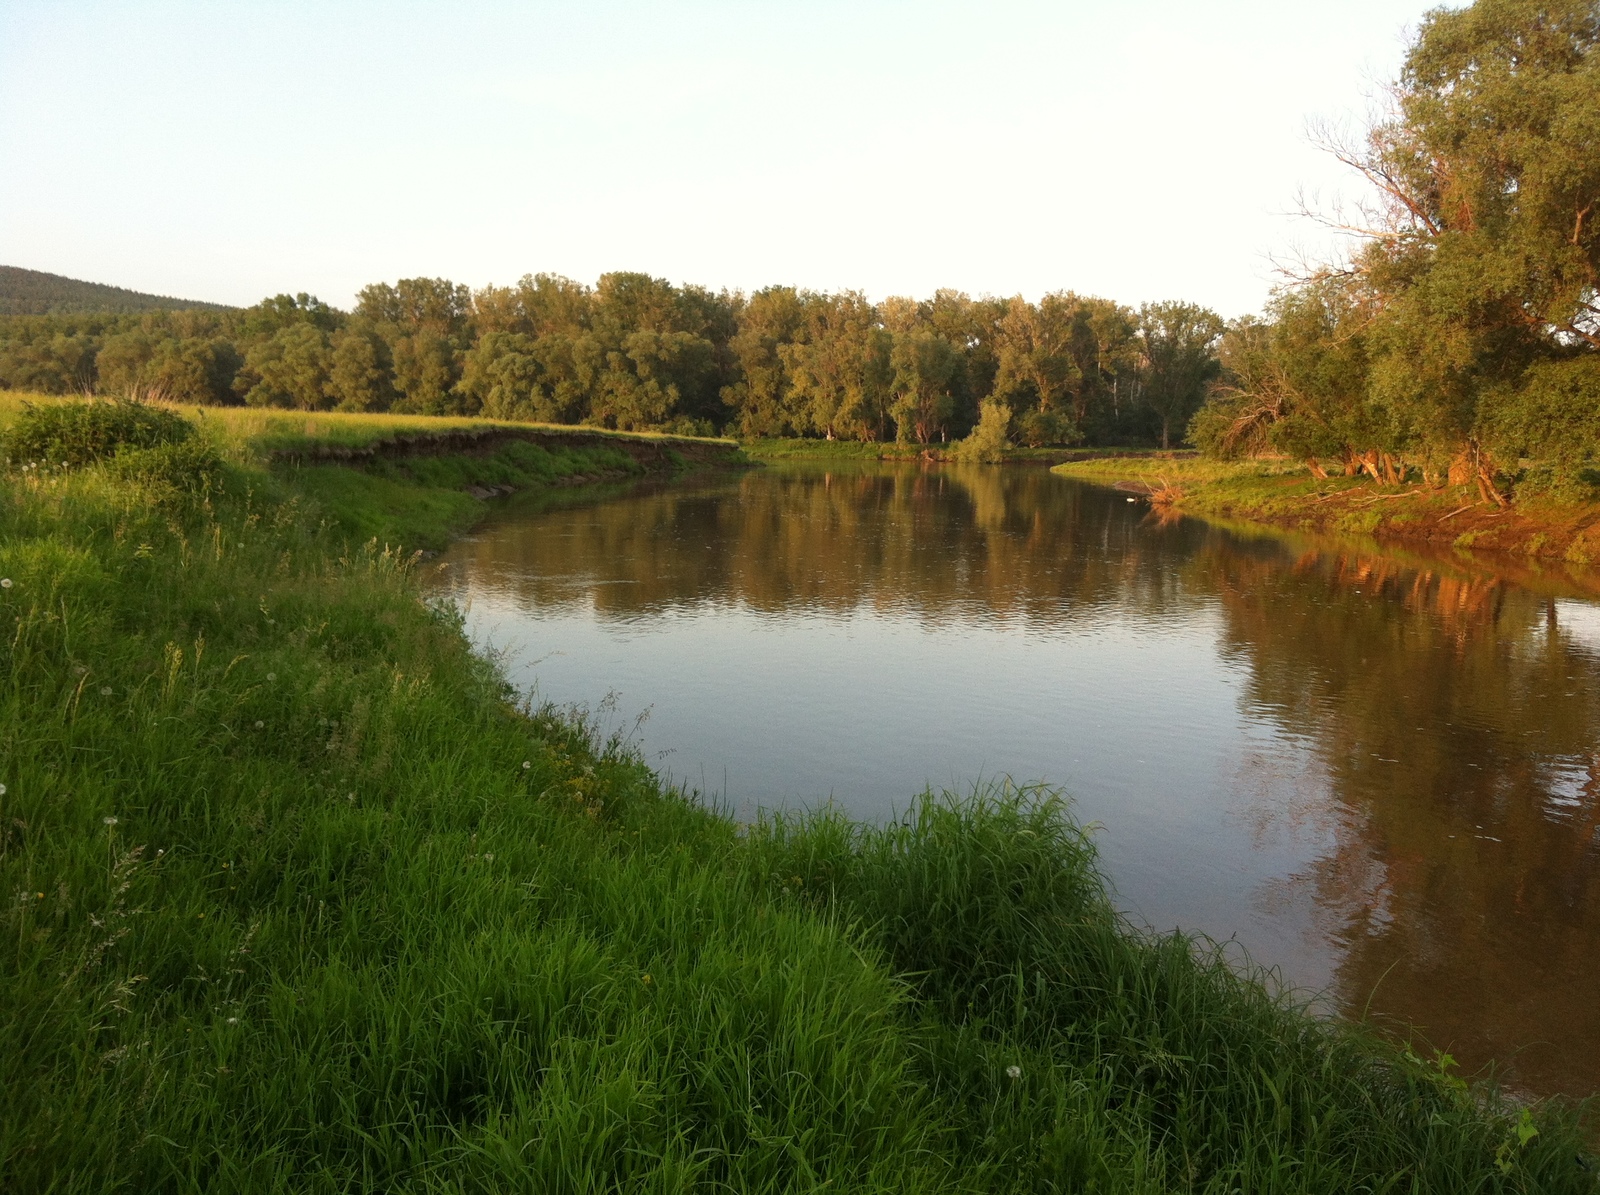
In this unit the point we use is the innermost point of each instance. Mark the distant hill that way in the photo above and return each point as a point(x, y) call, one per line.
point(33, 292)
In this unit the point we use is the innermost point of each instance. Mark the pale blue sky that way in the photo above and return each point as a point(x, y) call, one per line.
point(1141, 150)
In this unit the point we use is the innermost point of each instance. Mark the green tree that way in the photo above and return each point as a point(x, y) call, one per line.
point(427, 324)
point(1178, 342)
point(1481, 252)
point(34, 355)
point(360, 371)
point(840, 371)
point(124, 361)
point(1035, 368)
point(1299, 382)
point(1104, 346)
point(925, 365)
point(290, 369)
point(759, 397)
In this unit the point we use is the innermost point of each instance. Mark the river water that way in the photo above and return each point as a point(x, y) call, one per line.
point(1377, 772)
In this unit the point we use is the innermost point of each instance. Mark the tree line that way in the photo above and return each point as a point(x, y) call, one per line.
point(1460, 342)
point(635, 352)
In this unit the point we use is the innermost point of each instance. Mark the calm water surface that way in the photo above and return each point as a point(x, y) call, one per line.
point(1377, 772)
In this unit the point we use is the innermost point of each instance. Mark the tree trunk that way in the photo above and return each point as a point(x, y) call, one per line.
point(1316, 468)
point(1481, 464)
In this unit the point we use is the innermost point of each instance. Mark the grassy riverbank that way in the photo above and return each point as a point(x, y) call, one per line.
point(1284, 494)
point(298, 899)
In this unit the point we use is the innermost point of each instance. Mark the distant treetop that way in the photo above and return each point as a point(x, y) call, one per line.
point(33, 292)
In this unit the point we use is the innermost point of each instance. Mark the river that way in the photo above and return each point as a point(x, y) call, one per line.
point(1376, 772)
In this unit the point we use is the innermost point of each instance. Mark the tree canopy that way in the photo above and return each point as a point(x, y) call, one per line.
point(1461, 339)
point(638, 352)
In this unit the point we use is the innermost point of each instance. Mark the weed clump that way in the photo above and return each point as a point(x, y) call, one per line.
point(82, 433)
point(183, 470)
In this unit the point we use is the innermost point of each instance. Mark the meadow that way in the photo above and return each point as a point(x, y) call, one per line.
point(300, 897)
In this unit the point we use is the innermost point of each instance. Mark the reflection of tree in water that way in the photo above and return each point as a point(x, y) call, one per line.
point(962, 542)
point(1457, 726)
point(1463, 866)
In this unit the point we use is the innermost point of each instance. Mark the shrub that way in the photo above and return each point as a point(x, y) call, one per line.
point(987, 443)
point(177, 470)
point(1038, 428)
point(80, 433)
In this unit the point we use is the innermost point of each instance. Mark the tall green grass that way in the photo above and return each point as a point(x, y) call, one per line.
point(1137, 1055)
point(298, 899)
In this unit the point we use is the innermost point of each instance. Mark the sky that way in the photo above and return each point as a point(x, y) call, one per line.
point(1141, 150)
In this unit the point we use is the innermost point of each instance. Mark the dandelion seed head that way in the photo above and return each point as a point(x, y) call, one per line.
point(526, 764)
point(110, 821)
point(233, 1020)
point(105, 690)
point(5, 582)
point(1014, 1072)
point(272, 676)
point(259, 723)
point(2, 790)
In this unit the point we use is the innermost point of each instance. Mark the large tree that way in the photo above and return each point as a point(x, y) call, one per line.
point(1179, 343)
point(840, 372)
point(759, 397)
point(1482, 252)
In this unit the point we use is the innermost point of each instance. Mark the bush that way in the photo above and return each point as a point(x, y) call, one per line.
point(1038, 428)
point(81, 433)
point(183, 469)
point(987, 443)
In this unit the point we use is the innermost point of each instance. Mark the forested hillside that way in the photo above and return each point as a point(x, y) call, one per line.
point(636, 352)
point(33, 292)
